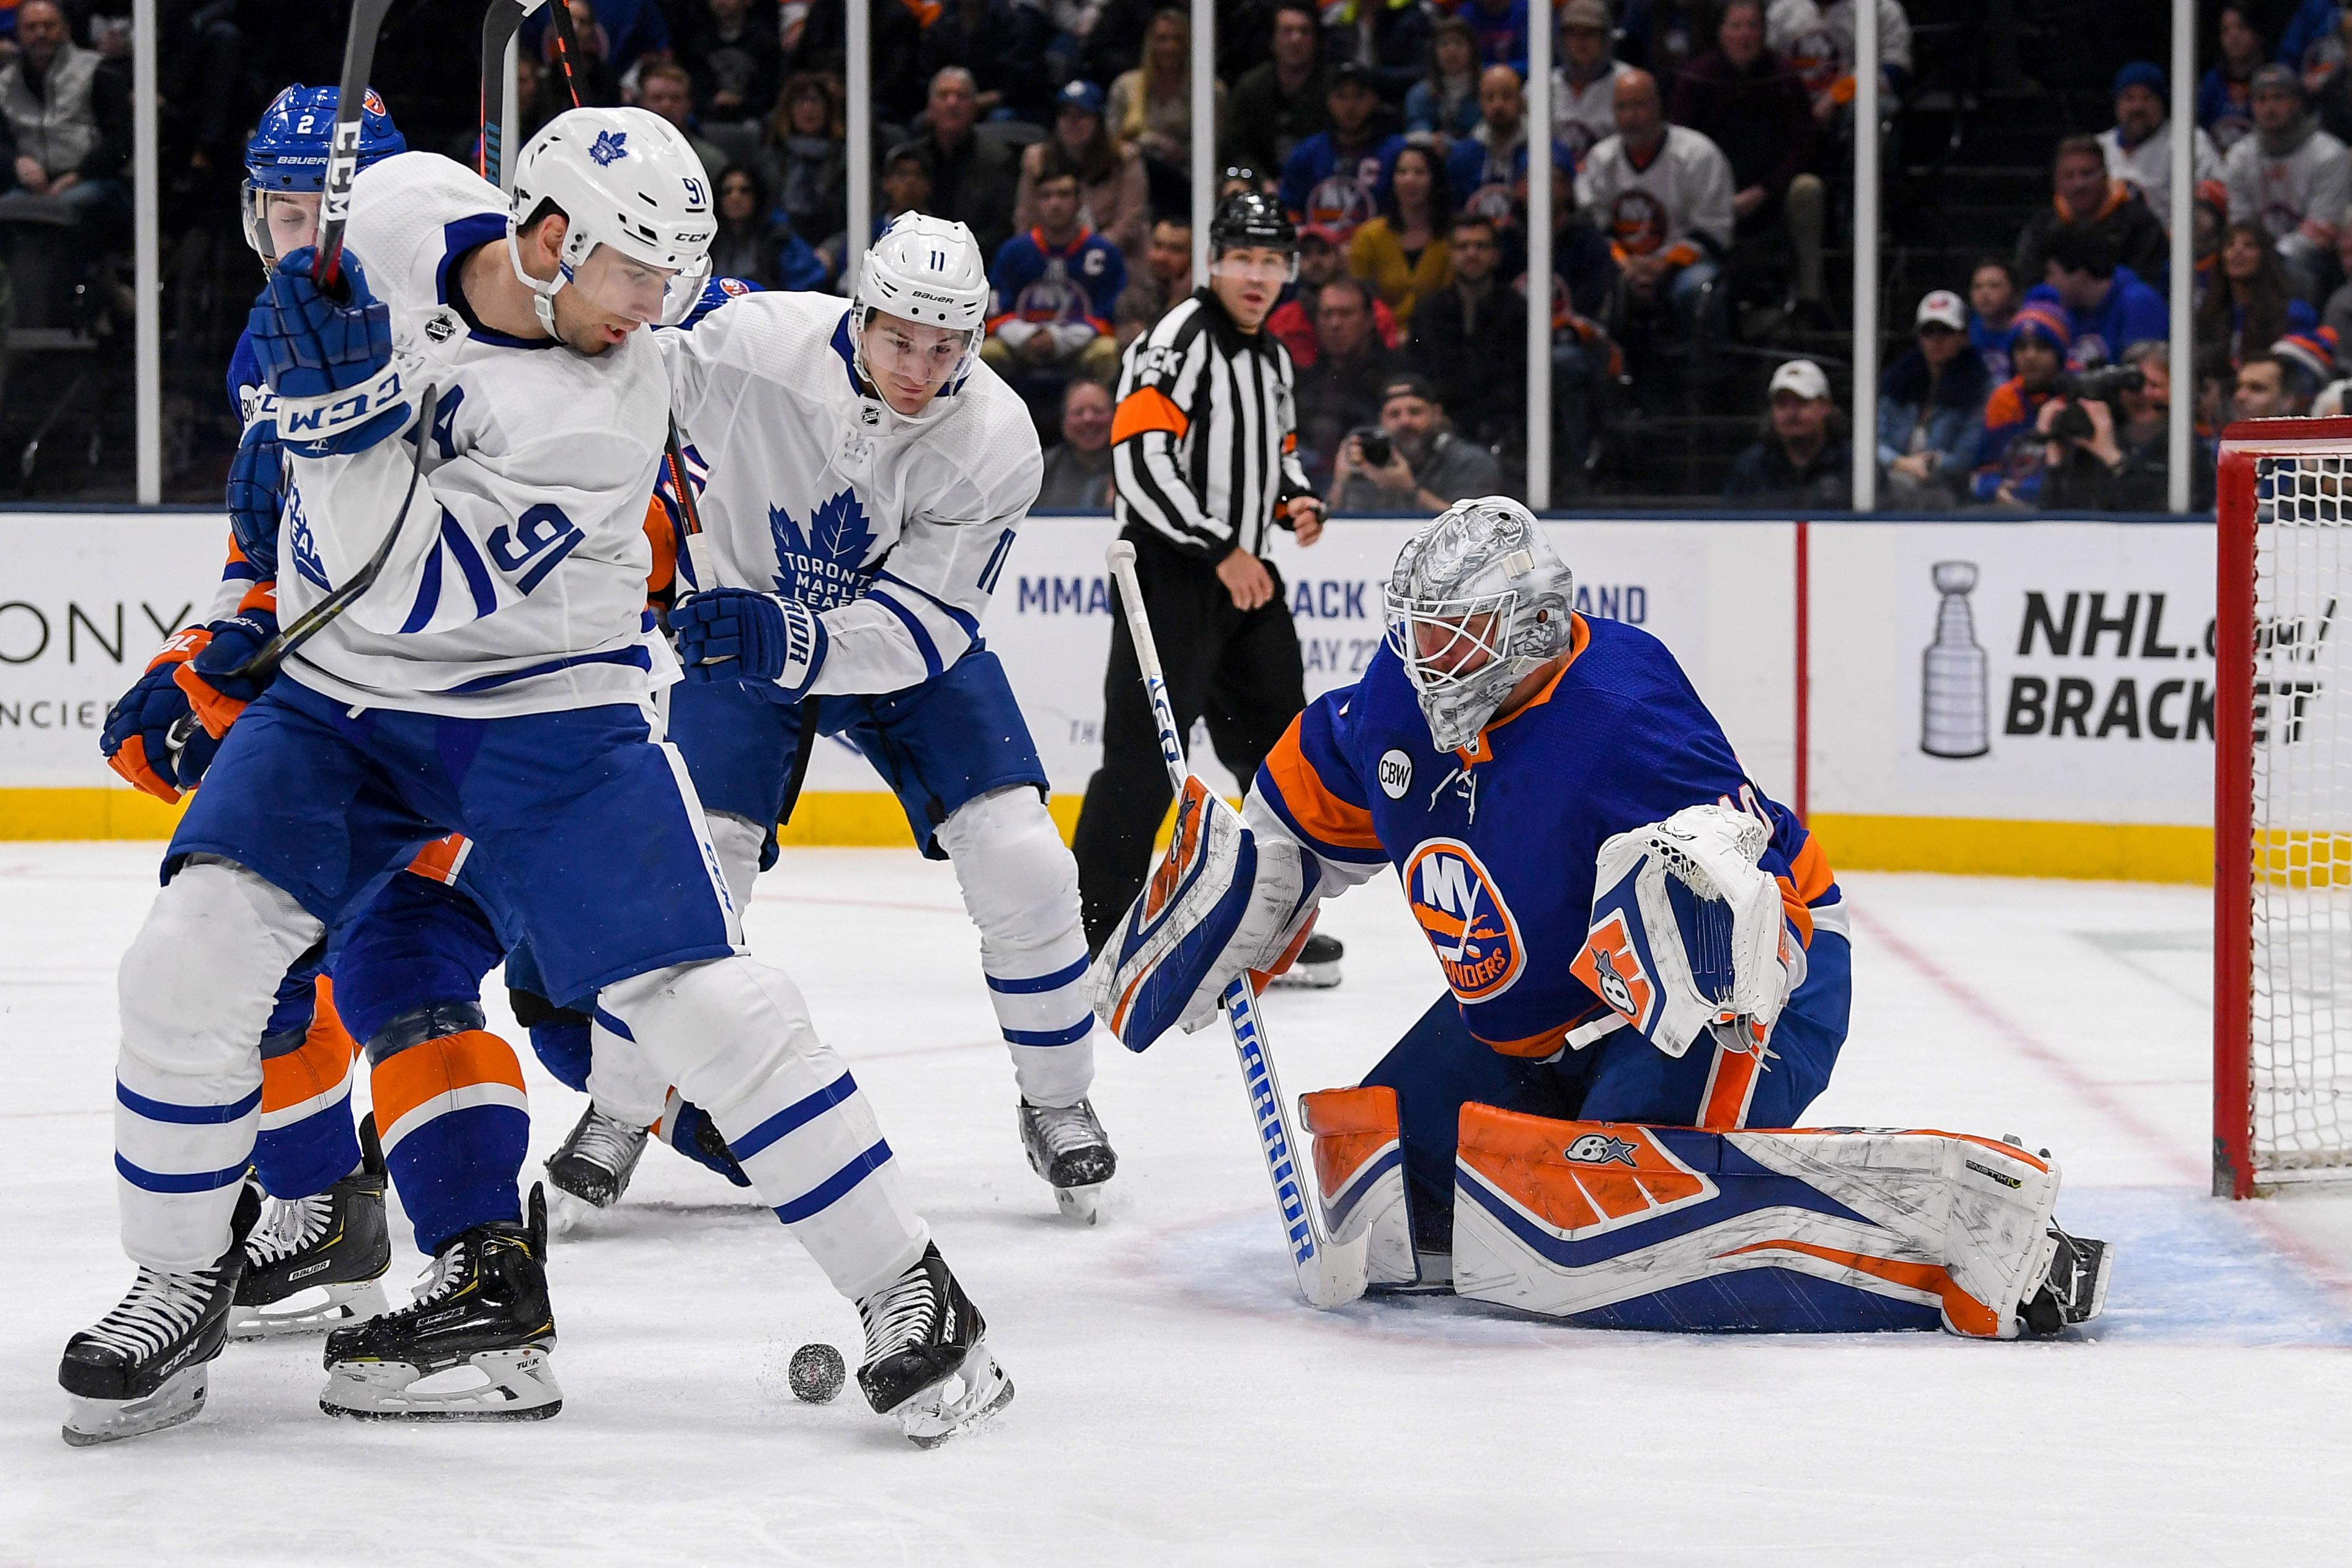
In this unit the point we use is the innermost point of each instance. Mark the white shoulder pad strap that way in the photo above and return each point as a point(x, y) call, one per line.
point(1688, 930)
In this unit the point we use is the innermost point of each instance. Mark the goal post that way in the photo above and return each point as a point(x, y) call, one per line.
point(2283, 808)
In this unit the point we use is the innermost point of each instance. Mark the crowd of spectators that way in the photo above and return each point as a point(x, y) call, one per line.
point(1700, 154)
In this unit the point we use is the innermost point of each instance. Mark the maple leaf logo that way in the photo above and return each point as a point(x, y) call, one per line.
point(608, 147)
point(824, 564)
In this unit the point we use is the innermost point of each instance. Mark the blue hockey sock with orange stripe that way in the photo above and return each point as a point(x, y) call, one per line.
point(305, 1143)
point(454, 1121)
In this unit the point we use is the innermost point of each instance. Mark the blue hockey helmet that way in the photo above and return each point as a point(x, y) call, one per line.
point(287, 154)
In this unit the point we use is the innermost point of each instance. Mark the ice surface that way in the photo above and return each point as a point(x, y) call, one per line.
point(1178, 1403)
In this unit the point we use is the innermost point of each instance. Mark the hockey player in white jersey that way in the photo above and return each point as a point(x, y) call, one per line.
point(866, 475)
point(495, 680)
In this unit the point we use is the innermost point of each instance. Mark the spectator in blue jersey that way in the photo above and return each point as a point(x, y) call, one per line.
point(2313, 25)
point(2225, 97)
point(2107, 308)
point(756, 242)
point(1993, 307)
point(1500, 27)
point(1488, 169)
point(1930, 407)
point(1334, 178)
point(2008, 456)
point(1057, 289)
point(1444, 103)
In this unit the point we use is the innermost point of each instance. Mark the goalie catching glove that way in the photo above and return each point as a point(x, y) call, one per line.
point(1225, 900)
point(1688, 932)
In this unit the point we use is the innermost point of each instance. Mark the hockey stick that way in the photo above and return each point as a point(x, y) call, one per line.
point(500, 23)
point(1331, 1273)
point(690, 510)
point(326, 271)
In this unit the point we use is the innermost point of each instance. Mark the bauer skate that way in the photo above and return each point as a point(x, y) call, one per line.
point(926, 1361)
point(1068, 1147)
point(335, 1241)
point(484, 1307)
point(1317, 968)
point(592, 1170)
point(141, 1367)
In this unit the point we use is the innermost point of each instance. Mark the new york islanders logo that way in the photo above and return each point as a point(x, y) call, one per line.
point(1611, 967)
point(824, 564)
point(1462, 912)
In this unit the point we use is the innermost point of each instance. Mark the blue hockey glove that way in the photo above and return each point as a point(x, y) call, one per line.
point(137, 738)
point(734, 634)
point(328, 360)
point(256, 494)
point(214, 690)
point(687, 1128)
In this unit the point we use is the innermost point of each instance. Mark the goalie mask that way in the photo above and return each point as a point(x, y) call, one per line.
point(637, 205)
point(1477, 600)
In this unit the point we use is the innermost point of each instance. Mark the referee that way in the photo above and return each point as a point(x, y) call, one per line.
point(1204, 464)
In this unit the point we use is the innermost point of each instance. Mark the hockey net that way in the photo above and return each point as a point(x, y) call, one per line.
point(2283, 808)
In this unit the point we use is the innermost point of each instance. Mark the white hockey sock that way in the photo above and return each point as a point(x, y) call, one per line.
point(1021, 888)
point(735, 1037)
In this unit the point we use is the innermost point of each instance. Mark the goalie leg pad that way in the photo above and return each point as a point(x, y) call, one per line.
point(1360, 1177)
point(1223, 900)
point(1614, 1225)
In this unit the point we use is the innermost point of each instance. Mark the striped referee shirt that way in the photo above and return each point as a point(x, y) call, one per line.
point(1204, 443)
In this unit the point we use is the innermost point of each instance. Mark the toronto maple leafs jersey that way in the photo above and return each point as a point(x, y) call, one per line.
point(1495, 843)
point(895, 532)
point(517, 584)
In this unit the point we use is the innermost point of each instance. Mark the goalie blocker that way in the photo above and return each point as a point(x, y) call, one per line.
point(1648, 981)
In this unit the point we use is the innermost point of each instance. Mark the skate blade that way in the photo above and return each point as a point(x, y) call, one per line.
point(90, 1422)
point(1083, 1204)
point(957, 1404)
point(342, 1304)
point(1308, 977)
point(516, 1385)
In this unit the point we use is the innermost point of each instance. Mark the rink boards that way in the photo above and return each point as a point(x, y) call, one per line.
point(2023, 697)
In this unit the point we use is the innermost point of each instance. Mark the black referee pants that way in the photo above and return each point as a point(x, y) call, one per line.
point(1238, 670)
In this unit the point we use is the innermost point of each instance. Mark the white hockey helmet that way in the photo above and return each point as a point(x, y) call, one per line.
point(627, 180)
point(1477, 599)
point(929, 271)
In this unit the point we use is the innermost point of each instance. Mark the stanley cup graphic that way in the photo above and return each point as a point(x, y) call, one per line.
point(1953, 721)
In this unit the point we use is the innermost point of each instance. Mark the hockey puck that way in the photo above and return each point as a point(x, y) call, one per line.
point(816, 1373)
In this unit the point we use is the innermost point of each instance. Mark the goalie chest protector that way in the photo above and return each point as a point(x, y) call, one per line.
point(1495, 843)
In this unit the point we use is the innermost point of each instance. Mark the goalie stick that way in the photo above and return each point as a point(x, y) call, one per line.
point(1331, 1272)
point(326, 271)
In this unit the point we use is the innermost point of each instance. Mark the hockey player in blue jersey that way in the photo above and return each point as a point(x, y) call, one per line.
point(494, 679)
point(1647, 973)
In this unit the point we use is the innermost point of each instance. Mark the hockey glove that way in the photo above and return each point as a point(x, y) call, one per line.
point(256, 494)
point(137, 738)
point(687, 1128)
point(209, 680)
point(329, 360)
point(735, 635)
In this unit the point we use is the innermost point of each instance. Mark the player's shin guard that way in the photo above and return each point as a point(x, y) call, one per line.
point(560, 1037)
point(735, 1037)
point(450, 1108)
point(1360, 1176)
point(306, 1142)
point(1021, 888)
point(197, 986)
point(1614, 1225)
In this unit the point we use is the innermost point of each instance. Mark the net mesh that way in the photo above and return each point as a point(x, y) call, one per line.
point(2302, 843)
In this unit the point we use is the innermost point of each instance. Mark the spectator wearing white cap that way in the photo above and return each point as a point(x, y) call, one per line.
point(2139, 147)
point(1931, 406)
point(1801, 462)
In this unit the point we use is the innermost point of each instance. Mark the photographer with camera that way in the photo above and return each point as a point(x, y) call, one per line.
point(1413, 462)
point(2106, 435)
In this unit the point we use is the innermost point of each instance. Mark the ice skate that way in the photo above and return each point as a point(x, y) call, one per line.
point(2075, 1291)
point(1317, 968)
point(141, 1367)
point(926, 1361)
point(592, 1170)
point(1068, 1147)
point(313, 1263)
point(482, 1318)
